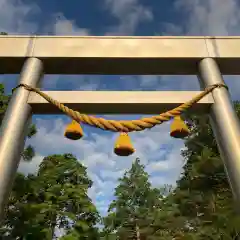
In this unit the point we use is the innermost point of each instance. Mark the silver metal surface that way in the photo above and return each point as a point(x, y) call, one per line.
point(225, 123)
point(119, 55)
point(118, 102)
point(14, 128)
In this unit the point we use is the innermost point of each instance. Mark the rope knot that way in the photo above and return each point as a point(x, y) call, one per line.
point(27, 87)
point(219, 85)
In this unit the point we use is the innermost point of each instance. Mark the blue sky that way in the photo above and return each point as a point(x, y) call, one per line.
point(156, 149)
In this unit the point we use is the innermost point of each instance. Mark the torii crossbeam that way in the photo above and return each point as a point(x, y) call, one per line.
point(35, 55)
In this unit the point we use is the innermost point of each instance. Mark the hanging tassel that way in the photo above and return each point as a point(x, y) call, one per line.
point(73, 131)
point(123, 146)
point(178, 128)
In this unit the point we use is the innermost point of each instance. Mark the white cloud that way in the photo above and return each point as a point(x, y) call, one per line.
point(149, 80)
point(160, 83)
point(205, 17)
point(169, 83)
point(111, 174)
point(72, 82)
point(210, 17)
point(15, 17)
point(171, 29)
point(31, 166)
point(129, 14)
point(89, 86)
point(62, 26)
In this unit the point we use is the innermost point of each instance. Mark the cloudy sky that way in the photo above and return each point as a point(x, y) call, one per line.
point(156, 149)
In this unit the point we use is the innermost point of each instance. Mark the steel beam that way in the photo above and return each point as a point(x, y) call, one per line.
point(119, 55)
point(118, 102)
point(14, 128)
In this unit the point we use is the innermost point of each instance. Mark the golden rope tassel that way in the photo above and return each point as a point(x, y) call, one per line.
point(123, 146)
point(178, 128)
point(73, 131)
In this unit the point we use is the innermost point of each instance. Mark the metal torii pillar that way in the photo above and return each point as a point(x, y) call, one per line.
point(224, 122)
point(14, 128)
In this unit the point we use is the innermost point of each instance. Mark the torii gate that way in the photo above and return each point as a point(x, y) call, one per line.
point(203, 56)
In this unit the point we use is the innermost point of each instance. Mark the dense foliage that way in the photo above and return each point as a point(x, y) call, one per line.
point(55, 200)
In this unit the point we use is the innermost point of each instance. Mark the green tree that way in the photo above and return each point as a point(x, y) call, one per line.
point(201, 206)
point(203, 195)
point(131, 214)
point(55, 199)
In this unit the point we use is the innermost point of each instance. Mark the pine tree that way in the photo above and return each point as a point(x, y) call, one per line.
point(130, 215)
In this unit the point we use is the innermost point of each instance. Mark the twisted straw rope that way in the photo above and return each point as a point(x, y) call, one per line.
point(123, 125)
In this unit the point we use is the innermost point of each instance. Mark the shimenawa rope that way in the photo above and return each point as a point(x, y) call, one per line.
point(123, 125)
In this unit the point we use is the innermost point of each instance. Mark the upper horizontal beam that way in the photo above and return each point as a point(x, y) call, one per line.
point(118, 102)
point(119, 55)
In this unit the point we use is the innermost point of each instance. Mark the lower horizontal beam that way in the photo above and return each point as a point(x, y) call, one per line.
point(118, 102)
